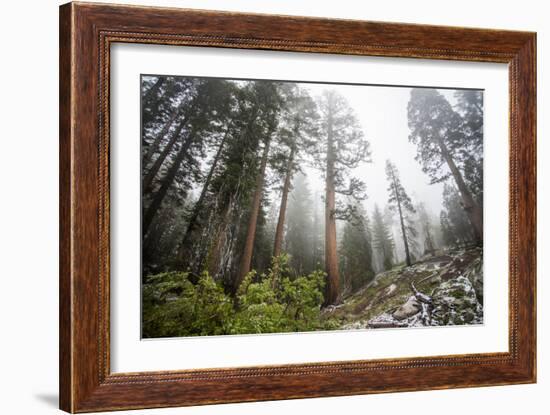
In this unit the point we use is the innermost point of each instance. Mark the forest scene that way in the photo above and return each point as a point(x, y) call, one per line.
point(275, 206)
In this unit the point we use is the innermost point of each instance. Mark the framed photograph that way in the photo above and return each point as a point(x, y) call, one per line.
point(260, 207)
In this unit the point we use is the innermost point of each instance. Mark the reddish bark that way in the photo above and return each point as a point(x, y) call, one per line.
point(282, 210)
point(246, 260)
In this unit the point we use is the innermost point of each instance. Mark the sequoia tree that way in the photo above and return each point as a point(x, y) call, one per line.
point(470, 107)
point(438, 131)
point(298, 125)
point(269, 95)
point(341, 148)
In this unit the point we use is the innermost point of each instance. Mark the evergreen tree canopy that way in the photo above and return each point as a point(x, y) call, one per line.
point(445, 139)
point(356, 251)
point(382, 239)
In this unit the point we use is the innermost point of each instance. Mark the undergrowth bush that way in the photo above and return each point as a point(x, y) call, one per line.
point(271, 302)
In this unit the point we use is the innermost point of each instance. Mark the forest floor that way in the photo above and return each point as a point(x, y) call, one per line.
point(444, 289)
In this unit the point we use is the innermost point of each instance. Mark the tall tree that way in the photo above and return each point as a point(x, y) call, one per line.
point(300, 227)
point(400, 203)
point(152, 90)
point(342, 147)
point(298, 125)
point(470, 107)
point(160, 112)
point(317, 233)
point(196, 105)
point(382, 238)
point(436, 129)
point(270, 98)
point(199, 204)
point(232, 186)
point(356, 251)
point(246, 259)
point(279, 232)
point(202, 124)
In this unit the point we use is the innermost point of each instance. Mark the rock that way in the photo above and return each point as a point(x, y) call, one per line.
point(475, 275)
point(385, 321)
point(455, 303)
point(356, 325)
point(389, 290)
point(410, 308)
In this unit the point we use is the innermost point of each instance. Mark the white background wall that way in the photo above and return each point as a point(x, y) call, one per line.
point(29, 194)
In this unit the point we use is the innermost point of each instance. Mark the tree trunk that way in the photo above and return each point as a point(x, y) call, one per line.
point(402, 222)
point(254, 211)
point(282, 210)
point(153, 90)
point(404, 233)
point(331, 258)
point(153, 171)
point(166, 183)
point(473, 210)
point(199, 204)
point(214, 254)
point(155, 144)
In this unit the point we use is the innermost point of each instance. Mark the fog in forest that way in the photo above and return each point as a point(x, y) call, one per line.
point(382, 112)
point(298, 195)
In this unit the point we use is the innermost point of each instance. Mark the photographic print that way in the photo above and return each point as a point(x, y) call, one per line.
point(274, 206)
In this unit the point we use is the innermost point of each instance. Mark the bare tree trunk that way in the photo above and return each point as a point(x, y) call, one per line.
point(166, 183)
point(246, 260)
point(199, 204)
point(331, 258)
point(404, 233)
point(401, 221)
point(473, 210)
point(282, 210)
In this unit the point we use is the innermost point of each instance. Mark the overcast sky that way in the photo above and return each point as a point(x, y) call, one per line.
point(382, 112)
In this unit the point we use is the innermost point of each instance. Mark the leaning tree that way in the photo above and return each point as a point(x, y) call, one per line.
point(441, 139)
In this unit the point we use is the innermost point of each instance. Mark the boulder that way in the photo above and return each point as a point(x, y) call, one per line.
point(455, 303)
point(389, 290)
point(410, 308)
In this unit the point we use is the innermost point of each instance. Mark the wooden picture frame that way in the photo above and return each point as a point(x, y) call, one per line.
point(86, 33)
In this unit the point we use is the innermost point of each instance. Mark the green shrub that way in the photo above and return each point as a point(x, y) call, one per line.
point(174, 307)
point(267, 303)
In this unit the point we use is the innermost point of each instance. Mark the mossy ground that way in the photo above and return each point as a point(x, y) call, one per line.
point(392, 288)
